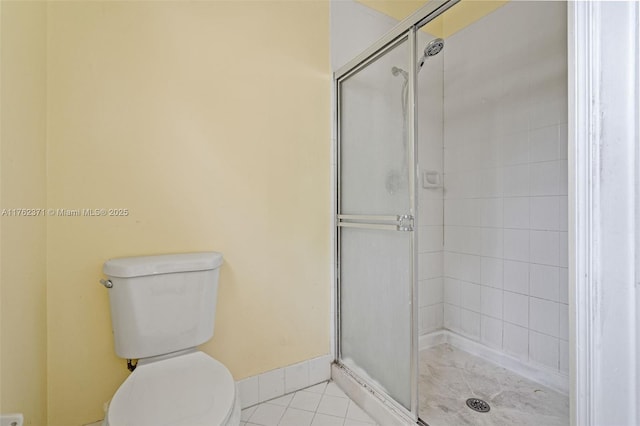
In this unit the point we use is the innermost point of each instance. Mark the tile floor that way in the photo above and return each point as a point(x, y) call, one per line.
point(320, 405)
point(448, 376)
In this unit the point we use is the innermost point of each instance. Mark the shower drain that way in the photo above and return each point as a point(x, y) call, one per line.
point(478, 405)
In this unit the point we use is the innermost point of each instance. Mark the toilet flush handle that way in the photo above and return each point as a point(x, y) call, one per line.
point(106, 283)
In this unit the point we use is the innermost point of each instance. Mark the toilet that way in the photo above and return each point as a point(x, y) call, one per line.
point(162, 308)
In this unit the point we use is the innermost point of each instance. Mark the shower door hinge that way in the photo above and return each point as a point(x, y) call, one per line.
point(405, 222)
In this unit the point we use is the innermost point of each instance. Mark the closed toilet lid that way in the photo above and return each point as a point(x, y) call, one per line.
point(188, 390)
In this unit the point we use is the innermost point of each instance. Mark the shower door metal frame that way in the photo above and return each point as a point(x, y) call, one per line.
point(391, 223)
point(405, 30)
point(418, 19)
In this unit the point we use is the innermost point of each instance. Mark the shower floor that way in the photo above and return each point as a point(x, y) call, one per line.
point(448, 376)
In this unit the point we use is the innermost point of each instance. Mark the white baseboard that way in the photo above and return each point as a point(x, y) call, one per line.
point(552, 379)
point(275, 383)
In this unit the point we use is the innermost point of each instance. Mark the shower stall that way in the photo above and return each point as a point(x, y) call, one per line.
point(451, 266)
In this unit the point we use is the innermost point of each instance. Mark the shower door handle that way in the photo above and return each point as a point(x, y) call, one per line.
point(388, 223)
point(405, 223)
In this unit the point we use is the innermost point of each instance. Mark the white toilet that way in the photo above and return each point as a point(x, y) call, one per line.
point(162, 308)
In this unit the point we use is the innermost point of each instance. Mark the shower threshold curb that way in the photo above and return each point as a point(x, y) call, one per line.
point(383, 413)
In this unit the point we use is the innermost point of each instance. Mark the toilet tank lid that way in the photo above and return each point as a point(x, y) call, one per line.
point(127, 267)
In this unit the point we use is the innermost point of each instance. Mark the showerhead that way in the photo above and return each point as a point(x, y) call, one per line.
point(434, 47)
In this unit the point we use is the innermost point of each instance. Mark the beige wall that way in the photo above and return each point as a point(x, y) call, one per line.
point(210, 123)
point(23, 336)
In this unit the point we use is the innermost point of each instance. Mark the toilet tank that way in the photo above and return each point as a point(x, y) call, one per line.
point(162, 304)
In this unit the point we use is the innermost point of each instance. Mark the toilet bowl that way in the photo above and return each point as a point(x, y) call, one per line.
point(192, 389)
point(162, 308)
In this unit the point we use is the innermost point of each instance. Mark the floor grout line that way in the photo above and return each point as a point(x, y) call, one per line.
point(315, 414)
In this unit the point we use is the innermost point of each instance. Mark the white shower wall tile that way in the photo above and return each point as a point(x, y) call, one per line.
point(457, 159)
point(470, 296)
point(462, 212)
point(544, 282)
point(563, 142)
point(491, 302)
point(545, 246)
point(499, 226)
point(516, 244)
point(564, 356)
point(491, 332)
point(516, 212)
point(544, 316)
point(491, 212)
point(563, 325)
point(563, 187)
point(545, 213)
point(430, 238)
point(451, 319)
point(430, 200)
point(431, 318)
point(516, 276)
point(430, 265)
point(490, 183)
point(430, 292)
point(546, 112)
point(452, 291)
point(516, 341)
point(544, 350)
point(461, 184)
point(470, 324)
point(563, 296)
point(492, 272)
point(492, 242)
point(544, 144)
point(516, 181)
point(516, 308)
point(463, 239)
point(430, 212)
point(563, 214)
point(431, 207)
point(545, 178)
point(463, 267)
point(514, 148)
point(512, 112)
point(563, 249)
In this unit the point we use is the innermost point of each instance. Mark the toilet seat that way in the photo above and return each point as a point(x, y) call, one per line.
point(188, 390)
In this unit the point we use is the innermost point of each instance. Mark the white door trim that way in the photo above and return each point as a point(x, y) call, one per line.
point(603, 233)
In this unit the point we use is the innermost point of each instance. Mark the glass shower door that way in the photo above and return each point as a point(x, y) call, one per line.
point(376, 209)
